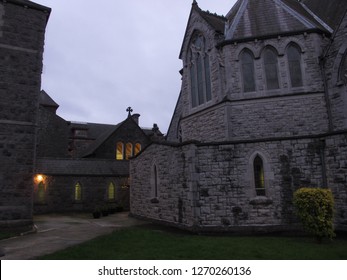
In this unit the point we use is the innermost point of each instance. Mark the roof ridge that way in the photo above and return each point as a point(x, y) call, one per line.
point(317, 18)
point(295, 14)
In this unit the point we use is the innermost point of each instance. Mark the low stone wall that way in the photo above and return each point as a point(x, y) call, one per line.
point(212, 185)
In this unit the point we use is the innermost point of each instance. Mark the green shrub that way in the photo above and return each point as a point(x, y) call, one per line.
point(315, 208)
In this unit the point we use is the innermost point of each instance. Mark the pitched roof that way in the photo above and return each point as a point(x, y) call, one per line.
point(46, 100)
point(106, 131)
point(330, 11)
point(250, 19)
point(216, 22)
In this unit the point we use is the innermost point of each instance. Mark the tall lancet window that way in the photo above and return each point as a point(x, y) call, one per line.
point(294, 61)
point(259, 178)
point(247, 68)
point(271, 69)
point(200, 79)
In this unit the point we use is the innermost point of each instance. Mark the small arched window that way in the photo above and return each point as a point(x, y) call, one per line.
point(137, 148)
point(128, 151)
point(259, 178)
point(120, 151)
point(200, 79)
point(271, 68)
point(247, 68)
point(78, 192)
point(294, 62)
point(111, 191)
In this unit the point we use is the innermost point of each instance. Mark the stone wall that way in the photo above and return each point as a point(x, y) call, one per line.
point(335, 65)
point(22, 32)
point(52, 137)
point(211, 186)
point(277, 117)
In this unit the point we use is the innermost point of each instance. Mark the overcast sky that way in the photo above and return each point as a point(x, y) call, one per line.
point(102, 56)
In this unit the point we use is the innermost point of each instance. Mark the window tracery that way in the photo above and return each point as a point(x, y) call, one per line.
point(200, 78)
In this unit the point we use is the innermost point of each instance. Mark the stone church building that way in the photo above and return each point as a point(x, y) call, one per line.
point(49, 164)
point(262, 112)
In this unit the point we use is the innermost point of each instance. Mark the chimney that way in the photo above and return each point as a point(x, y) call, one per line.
point(136, 118)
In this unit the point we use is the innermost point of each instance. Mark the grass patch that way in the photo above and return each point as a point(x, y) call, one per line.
point(144, 243)
point(5, 235)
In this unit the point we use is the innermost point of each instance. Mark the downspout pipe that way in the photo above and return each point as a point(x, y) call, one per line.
point(326, 94)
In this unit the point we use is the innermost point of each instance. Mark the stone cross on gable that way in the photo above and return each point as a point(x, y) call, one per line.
point(129, 110)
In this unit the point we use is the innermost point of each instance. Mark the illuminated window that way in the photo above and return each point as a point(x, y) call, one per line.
point(128, 150)
point(41, 193)
point(259, 180)
point(120, 151)
point(137, 148)
point(199, 72)
point(271, 69)
point(78, 192)
point(294, 61)
point(111, 192)
point(247, 67)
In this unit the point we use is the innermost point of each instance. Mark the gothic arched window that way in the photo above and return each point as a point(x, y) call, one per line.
point(294, 61)
point(155, 181)
point(200, 79)
point(128, 150)
point(111, 191)
point(78, 192)
point(259, 178)
point(271, 68)
point(137, 148)
point(247, 68)
point(120, 151)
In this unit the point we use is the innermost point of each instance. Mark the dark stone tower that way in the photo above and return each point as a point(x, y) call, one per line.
point(22, 31)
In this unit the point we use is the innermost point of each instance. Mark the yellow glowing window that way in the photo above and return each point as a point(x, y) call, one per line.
point(128, 150)
point(78, 192)
point(111, 191)
point(137, 148)
point(120, 151)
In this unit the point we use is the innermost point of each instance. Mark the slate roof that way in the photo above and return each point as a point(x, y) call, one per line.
point(100, 138)
point(46, 100)
point(217, 22)
point(330, 11)
point(30, 4)
point(82, 167)
point(250, 19)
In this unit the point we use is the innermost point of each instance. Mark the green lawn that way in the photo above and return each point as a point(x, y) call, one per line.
point(145, 243)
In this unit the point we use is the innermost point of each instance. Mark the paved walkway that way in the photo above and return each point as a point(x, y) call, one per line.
point(56, 232)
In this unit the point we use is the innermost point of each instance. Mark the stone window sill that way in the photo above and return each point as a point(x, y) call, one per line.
point(154, 200)
point(261, 200)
